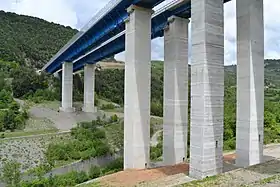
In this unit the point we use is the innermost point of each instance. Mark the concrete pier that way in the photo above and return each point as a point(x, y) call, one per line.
point(89, 82)
point(175, 115)
point(67, 87)
point(250, 82)
point(207, 88)
point(137, 88)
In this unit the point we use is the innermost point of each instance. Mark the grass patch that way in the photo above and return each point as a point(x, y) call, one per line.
point(117, 110)
point(103, 102)
point(27, 133)
point(93, 184)
point(109, 106)
point(217, 180)
point(60, 163)
point(114, 134)
point(273, 179)
point(269, 179)
point(53, 105)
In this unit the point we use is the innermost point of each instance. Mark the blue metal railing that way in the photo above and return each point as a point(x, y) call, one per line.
point(117, 43)
point(100, 14)
point(159, 11)
point(102, 36)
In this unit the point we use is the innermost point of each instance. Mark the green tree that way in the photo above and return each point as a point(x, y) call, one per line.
point(27, 81)
point(22, 40)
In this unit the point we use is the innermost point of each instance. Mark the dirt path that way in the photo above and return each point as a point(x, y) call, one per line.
point(121, 115)
point(259, 175)
point(64, 121)
point(60, 120)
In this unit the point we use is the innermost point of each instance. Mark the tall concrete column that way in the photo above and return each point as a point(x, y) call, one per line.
point(137, 88)
point(207, 88)
point(250, 82)
point(175, 114)
point(89, 81)
point(67, 87)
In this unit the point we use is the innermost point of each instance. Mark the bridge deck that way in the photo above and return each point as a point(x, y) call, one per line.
point(104, 36)
point(117, 44)
point(107, 23)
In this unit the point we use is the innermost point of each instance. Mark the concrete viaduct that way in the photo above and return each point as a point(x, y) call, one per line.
point(130, 25)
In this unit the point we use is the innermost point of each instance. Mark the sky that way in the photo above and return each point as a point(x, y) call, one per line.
point(76, 13)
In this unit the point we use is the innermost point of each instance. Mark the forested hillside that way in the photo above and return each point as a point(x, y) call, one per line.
point(29, 40)
point(110, 83)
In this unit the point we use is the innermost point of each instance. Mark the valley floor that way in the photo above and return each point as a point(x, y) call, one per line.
point(266, 174)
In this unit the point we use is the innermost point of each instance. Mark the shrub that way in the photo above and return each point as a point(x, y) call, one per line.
point(94, 172)
point(102, 149)
point(6, 99)
point(11, 117)
point(116, 165)
point(11, 173)
point(156, 108)
point(229, 144)
point(155, 152)
point(2, 126)
point(107, 106)
point(73, 178)
point(114, 118)
point(27, 81)
point(88, 141)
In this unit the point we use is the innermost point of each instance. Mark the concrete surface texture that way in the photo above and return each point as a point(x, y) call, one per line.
point(137, 88)
point(89, 81)
point(175, 121)
point(67, 87)
point(207, 88)
point(250, 82)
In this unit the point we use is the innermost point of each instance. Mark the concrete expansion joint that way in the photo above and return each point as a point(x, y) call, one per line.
point(127, 20)
point(89, 64)
point(135, 7)
point(171, 19)
point(166, 27)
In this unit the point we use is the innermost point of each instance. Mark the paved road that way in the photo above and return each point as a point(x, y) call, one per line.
point(62, 121)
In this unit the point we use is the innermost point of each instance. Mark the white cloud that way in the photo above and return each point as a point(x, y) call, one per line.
point(57, 11)
point(230, 32)
point(76, 13)
point(271, 30)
